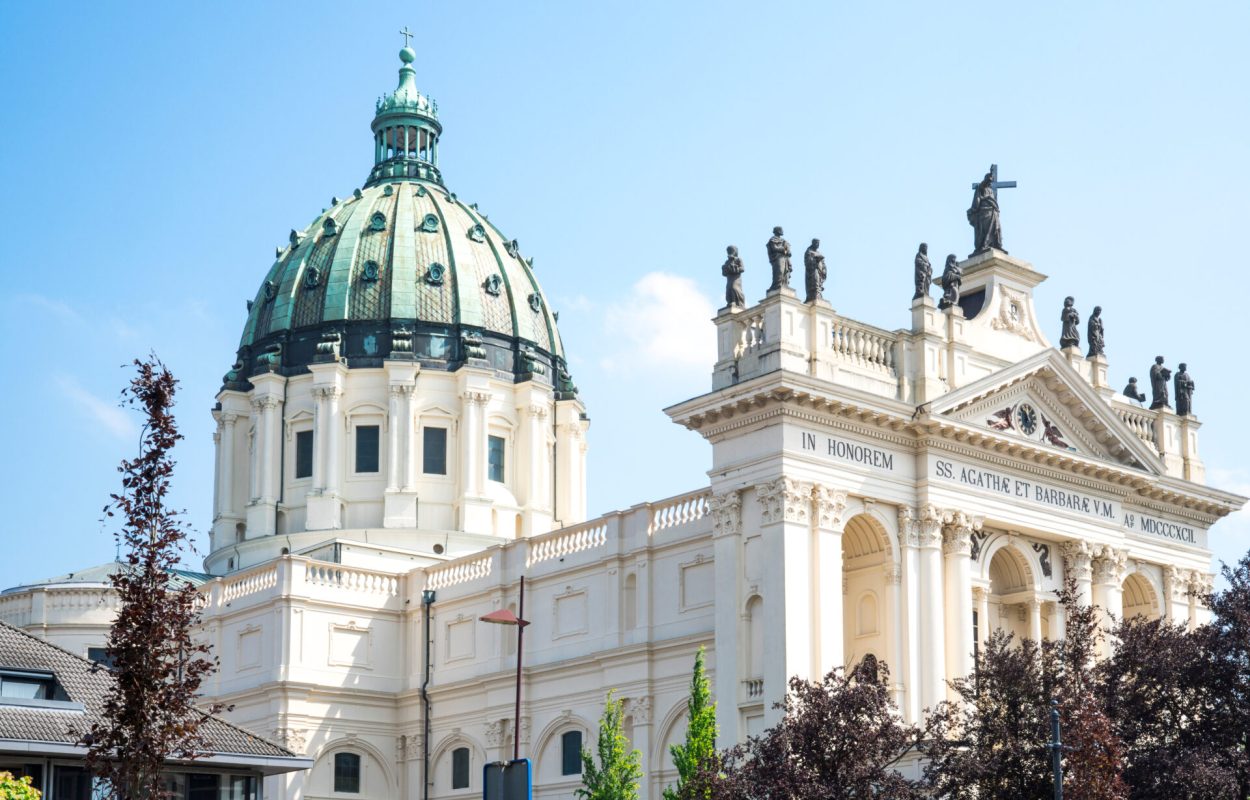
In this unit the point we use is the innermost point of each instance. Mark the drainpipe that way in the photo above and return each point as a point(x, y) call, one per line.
point(427, 599)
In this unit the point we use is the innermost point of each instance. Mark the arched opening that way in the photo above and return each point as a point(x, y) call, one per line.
point(865, 557)
point(755, 638)
point(1140, 598)
point(1011, 603)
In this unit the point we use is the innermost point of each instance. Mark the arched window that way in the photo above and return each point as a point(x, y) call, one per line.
point(347, 773)
point(571, 753)
point(460, 768)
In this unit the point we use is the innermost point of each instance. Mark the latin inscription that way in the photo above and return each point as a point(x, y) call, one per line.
point(852, 452)
point(1018, 489)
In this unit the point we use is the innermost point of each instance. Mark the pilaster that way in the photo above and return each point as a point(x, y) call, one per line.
point(1077, 564)
point(726, 511)
point(399, 508)
point(932, 618)
point(267, 397)
point(829, 507)
point(912, 593)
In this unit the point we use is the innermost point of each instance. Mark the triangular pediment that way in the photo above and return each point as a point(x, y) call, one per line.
point(1045, 402)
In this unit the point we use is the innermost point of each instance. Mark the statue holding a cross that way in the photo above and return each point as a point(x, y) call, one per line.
point(983, 215)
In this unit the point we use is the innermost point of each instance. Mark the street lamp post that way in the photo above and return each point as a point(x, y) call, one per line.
point(1056, 750)
point(505, 617)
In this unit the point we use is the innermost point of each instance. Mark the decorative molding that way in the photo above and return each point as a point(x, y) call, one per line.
point(639, 708)
point(785, 499)
point(908, 527)
point(1043, 558)
point(1077, 560)
point(1017, 322)
point(830, 505)
point(978, 541)
point(1108, 566)
point(726, 511)
point(293, 739)
point(929, 526)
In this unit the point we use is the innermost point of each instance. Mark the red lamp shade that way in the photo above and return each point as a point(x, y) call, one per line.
point(504, 616)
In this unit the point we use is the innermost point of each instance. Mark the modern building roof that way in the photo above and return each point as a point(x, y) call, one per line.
point(99, 576)
point(54, 726)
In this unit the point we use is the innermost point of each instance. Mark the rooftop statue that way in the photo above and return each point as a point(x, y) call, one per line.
point(1132, 392)
point(952, 278)
point(1093, 331)
point(815, 272)
point(1184, 392)
point(924, 272)
point(732, 269)
point(1159, 375)
point(1071, 319)
point(779, 258)
point(983, 217)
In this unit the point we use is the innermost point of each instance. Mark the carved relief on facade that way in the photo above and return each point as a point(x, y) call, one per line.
point(957, 530)
point(929, 527)
point(726, 513)
point(1078, 560)
point(293, 739)
point(830, 505)
point(1109, 566)
point(1013, 314)
point(639, 708)
point(785, 499)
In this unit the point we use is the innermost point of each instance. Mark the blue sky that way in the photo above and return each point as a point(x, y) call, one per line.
point(154, 154)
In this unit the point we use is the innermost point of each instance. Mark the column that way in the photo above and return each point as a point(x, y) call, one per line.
point(334, 440)
point(895, 615)
point(1077, 562)
point(789, 612)
point(909, 543)
point(227, 463)
point(932, 618)
point(408, 437)
point(321, 435)
point(981, 599)
point(1058, 621)
point(394, 478)
point(830, 505)
point(1035, 619)
point(726, 511)
point(271, 440)
point(1108, 571)
point(254, 449)
point(957, 548)
point(1176, 594)
point(217, 470)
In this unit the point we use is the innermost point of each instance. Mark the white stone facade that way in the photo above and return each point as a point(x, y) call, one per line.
point(894, 494)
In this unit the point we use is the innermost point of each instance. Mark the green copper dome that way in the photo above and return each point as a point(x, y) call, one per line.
point(401, 269)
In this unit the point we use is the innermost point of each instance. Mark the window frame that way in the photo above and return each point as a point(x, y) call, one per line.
point(359, 769)
point(503, 458)
point(425, 431)
point(377, 450)
point(564, 752)
point(468, 768)
point(309, 435)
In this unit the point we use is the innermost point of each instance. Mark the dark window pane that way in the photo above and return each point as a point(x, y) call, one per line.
point(346, 772)
point(367, 448)
point(571, 753)
point(101, 656)
point(434, 451)
point(495, 458)
point(202, 786)
point(460, 768)
point(303, 454)
point(72, 783)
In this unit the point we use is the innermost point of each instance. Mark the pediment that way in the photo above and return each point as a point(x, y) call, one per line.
point(1044, 402)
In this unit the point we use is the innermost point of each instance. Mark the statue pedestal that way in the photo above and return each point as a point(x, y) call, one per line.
point(925, 317)
point(1097, 366)
point(1073, 356)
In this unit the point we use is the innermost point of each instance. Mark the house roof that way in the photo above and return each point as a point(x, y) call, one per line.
point(48, 725)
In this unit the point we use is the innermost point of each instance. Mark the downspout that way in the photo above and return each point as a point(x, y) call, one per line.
point(427, 599)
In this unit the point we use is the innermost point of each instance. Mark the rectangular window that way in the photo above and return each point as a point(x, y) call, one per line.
point(571, 753)
point(26, 686)
point(460, 768)
point(494, 458)
point(367, 448)
point(347, 773)
point(303, 454)
point(434, 451)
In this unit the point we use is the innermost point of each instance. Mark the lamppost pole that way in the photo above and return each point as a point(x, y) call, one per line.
point(1056, 749)
point(520, 638)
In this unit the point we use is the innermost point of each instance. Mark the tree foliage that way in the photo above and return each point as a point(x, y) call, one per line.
point(149, 716)
point(839, 739)
point(618, 773)
point(17, 788)
point(699, 749)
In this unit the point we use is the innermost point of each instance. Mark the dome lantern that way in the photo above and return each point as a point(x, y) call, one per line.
point(406, 130)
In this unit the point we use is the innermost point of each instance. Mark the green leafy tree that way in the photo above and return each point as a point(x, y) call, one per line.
point(618, 773)
point(699, 750)
point(17, 788)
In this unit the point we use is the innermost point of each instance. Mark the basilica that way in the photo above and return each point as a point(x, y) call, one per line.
point(399, 442)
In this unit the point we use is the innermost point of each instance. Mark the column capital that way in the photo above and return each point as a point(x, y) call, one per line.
point(327, 392)
point(401, 390)
point(726, 511)
point(266, 403)
point(476, 398)
point(961, 521)
point(536, 410)
point(1109, 565)
point(785, 499)
point(229, 419)
point(929, 526)
point(830, 506)
point(1077, 559)
point(907, 527)
point(957, 542)
point(893, 573)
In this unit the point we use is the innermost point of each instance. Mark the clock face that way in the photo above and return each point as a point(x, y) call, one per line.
point(1026, 418)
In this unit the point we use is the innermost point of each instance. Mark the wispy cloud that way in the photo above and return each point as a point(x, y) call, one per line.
point(57, 308)
point(101, 413)
point(662, 324)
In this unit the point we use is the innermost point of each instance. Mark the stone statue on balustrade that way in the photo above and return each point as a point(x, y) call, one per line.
point(1159, 376)
point(1093, 331)
point(815, 272)
point(779, 258)
point(983, 217)
point(952, 279)
point(1184, 392)
point(924, 272)
point(1071, 319)
point(1133, 393)
point(732, 269)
